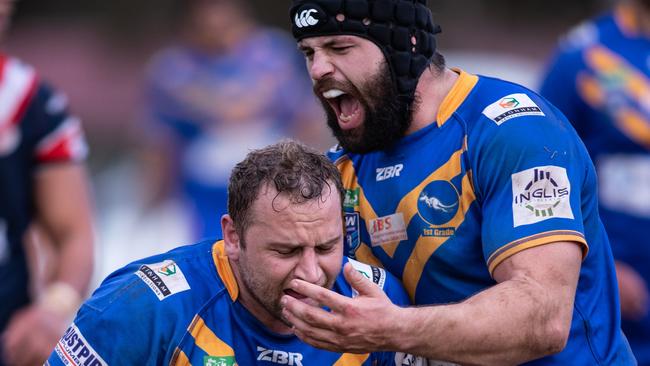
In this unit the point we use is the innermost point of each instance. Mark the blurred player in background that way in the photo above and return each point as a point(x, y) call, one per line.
point(43, 182)
point(600, 79)
point(230, 85)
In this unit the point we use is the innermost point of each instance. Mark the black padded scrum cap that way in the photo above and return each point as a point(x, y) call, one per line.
point(391, 24)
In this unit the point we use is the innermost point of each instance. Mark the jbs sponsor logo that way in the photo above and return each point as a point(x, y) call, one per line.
point(389, 172)
point(511, 106)
point(540, 194)
point(279, 357)
point(164, 279)
point(387, 229)
point(73, 349)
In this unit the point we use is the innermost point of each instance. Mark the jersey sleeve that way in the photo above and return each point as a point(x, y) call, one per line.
point(57, 135)
point(134, 318)
point(530, 170)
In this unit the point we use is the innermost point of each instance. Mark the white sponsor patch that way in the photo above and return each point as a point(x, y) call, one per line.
point(74, 350)
point(539, 194)
point(164, 278)
point(387, 229)
point(511, 106)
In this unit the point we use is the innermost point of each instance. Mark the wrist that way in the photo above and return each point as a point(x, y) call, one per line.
point(60, 298)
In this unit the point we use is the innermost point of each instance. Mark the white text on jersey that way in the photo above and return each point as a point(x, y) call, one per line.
point(389, 172)
point(279, 357)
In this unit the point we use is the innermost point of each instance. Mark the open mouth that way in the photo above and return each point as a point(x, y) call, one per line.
point(294, 294)
point(347, 108)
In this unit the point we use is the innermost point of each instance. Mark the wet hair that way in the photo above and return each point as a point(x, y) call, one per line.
point(293, 169)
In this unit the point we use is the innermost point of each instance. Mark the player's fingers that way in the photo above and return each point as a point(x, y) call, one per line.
point(321, 295)
point(307, 315)
point(359, 282)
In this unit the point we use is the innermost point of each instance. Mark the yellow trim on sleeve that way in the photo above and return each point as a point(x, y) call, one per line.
point(517, 246)
point(223, 268)
point(456, 96)
point(348, 359)
point(208, 341)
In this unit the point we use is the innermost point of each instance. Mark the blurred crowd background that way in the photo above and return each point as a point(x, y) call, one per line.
point(106, 56)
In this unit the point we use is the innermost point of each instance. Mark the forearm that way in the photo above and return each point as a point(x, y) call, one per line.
point(75, 261)
point(507, 324)
point(65, 214)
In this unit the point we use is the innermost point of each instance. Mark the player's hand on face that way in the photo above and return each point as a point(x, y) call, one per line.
point(31, 336)
point(354, 325)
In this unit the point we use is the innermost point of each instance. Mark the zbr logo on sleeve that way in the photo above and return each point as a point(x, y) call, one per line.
point(540, 194)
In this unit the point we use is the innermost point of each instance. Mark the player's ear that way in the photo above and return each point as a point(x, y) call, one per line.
point(230, 237)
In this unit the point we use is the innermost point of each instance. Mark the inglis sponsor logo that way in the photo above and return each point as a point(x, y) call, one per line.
point(539, 194)
point(74, 350)
point(279, 357)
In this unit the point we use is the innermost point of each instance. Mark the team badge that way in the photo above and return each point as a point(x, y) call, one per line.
point(352, 240)
point(438, 203)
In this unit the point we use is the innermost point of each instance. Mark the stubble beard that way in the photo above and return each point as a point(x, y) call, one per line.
point(261, 290)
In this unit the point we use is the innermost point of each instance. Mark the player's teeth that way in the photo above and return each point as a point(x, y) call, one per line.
point(333, 93)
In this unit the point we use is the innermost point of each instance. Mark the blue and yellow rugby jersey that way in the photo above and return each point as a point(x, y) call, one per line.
point(600, 79)
point(500, 171)
point(181, 308)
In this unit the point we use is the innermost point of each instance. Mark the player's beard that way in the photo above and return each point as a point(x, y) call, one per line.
point(264, 292)
point(387, 117)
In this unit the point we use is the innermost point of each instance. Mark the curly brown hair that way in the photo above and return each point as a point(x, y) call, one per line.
point(293, 169)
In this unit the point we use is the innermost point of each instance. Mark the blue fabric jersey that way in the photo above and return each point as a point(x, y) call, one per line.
point(600, 79)
point(181, 308)
point(500, 171)
point(35, 130)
